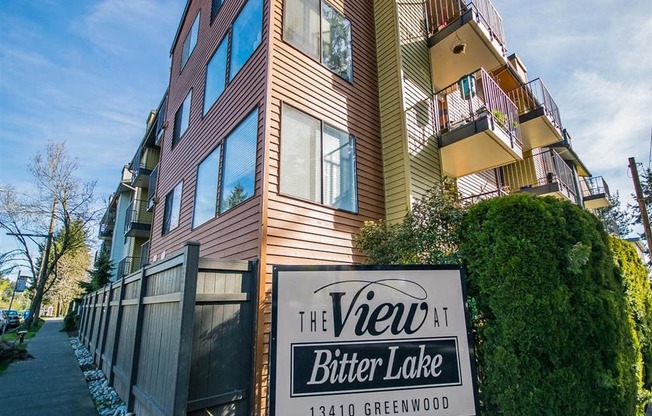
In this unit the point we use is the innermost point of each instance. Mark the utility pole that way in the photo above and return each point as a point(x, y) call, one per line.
point(11, 302)
point(641, 204)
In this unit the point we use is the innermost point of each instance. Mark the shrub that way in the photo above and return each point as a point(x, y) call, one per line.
point(70, 320)
point(551, 329)
point(639, 307)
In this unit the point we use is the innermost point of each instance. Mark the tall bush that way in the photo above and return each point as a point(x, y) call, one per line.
point(639, 307)
point(552, 332)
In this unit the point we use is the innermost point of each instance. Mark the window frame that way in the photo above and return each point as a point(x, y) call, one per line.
point(225, 147)
point(320, 58)
point(176, 137)
point(320, 167)
point(220, 157)
point(229, 33)
point(166, 228)
point(195, 30)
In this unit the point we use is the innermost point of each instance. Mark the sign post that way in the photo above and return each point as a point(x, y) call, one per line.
point(367, 340)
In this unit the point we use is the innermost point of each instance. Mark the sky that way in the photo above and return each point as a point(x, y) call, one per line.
point(89, 72)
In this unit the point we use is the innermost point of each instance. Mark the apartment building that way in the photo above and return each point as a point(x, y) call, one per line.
point(289, 123)
point(126, 225)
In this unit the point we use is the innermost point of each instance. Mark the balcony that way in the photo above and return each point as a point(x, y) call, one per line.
point(151, 189)
point(595, 192)
point(127, 266)
point(145, 160)
point(538, 115)
point(106, 230)
point(465, 35)
point(138, 221)
point(565, 150)
point(478, 126)
point(543, 173)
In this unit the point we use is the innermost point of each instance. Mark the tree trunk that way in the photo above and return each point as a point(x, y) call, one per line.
point(35, 308)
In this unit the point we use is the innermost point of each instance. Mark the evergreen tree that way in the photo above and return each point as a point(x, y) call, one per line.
point(616, 220)
point(238, 194)
point(100, 274)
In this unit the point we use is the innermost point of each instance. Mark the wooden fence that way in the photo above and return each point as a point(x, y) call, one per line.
point(176, 336)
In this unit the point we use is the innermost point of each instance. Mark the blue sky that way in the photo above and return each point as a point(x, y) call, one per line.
point(90, 71)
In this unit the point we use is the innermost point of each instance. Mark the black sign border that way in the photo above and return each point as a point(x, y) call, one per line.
point(271, 378)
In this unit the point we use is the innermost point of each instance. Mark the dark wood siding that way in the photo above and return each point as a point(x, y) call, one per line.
point(236, 233)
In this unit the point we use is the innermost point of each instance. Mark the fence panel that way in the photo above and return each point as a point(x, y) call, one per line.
point(222, 339)
point(176, 336)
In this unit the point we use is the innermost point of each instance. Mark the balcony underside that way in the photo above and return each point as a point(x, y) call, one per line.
point(480, 51)
point(141, 178)
point(537, 130)
point(138, 229)
point(555, 189)
point(476, 147)
point(596, 201)
point(106, 236)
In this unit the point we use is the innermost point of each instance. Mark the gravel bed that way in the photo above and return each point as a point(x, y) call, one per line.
point(106, 400)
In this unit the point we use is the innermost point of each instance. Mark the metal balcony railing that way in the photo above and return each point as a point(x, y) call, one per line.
point(144, 255)
point(543, 167)
point(534, 95)
point(137, 214)
point(127, 265)
point(594, 186)
point(476, 96)
point(151, 189)
point(145, 160)
point(440, 13)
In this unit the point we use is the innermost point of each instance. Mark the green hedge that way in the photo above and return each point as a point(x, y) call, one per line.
point(552, 331)
point(639, 306)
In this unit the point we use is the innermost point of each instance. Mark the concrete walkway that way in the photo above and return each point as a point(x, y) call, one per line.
point(51, 384)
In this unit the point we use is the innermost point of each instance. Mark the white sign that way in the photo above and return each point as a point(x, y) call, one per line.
point(21, 284)
point(363, 341)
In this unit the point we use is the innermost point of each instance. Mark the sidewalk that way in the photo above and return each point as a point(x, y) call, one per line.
point(50, 384)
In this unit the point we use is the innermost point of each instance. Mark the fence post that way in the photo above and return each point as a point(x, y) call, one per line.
point(107, 317)
point(133, 370)
point(118, 325)
point(82, 320)
point(188, 296)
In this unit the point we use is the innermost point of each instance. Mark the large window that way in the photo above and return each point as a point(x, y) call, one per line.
point(227, 177)
point(182, 118)
point(245, 35)
point(216, 75)
point(317, 161)
point(190, 41)
point(172, 209)
point(238, 179)
point(206, 188)
point(320, 31)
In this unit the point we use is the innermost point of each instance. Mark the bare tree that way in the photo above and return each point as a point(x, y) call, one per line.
point(55, 218)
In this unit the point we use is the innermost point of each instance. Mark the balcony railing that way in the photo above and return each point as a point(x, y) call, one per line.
point(545, 167)
point(145, 160)
point(151, 189)
point(594, 186)
point(476, 96)
point(144, 255)
point(442, 12)
point(127, 266)
point(533, 96)
point(138, 220)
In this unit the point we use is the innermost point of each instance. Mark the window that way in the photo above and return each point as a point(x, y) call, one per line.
point(317, 161)
point(320, 31)
point(216, 75)
point(182, 119)
point(172, 209)
point(215, 8)
point(190, 41)
point(238, 179)
point(245, 35)
point(206, 188)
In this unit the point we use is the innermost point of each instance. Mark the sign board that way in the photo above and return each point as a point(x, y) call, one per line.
point(21, 284)
point(367, 340)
